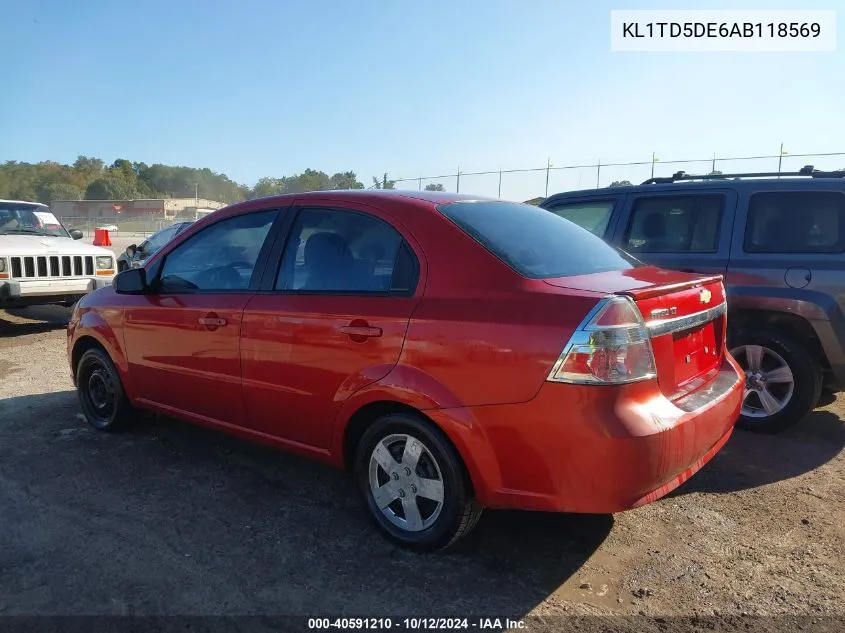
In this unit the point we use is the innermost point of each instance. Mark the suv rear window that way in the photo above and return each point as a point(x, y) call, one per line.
point(796, 222)
point(534, 242)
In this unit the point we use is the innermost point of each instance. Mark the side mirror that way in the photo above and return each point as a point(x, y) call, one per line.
point(76, 234)
point(131, 282)
point(131, 250)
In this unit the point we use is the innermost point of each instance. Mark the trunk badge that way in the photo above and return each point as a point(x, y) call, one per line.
point(659, 313)
point(705, 295)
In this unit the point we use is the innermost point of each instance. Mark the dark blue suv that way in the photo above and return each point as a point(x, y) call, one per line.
point(779, 240)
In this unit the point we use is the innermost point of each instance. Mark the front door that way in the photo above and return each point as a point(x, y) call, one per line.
point(331, 321)
point(182, 340)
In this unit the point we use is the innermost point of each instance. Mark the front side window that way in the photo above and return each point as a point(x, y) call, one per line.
point(29, 219)
point(592, 216)
point(796, 222)
point(337, 251)
point(675, 224)
point(534, 242)
point(219, 258)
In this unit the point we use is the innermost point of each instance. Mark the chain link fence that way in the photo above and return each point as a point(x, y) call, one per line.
point(539, 182)
point(118, 226)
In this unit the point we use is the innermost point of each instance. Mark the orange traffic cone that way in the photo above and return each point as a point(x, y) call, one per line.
point(106, 238)
point(98, 237)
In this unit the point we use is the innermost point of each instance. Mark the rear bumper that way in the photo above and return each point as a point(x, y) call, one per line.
point(601, 449)
point(39, 291)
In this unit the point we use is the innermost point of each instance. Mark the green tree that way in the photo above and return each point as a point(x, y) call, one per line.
point(309, 180)
point(345, 180)
point(47, 193)
point(621, 183)
point(436, 186)
point(89, 168)
point(384, 183)
point(268, 187)
point(109, 188)
point(715, 172)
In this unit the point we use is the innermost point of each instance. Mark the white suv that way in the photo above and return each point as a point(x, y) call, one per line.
point(40, 260)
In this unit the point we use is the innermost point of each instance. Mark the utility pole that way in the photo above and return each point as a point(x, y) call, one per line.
point(653, 158)
point(780, 158)
point(500, 183)
point(548, 169)
point(458, 184)
point(197, 194)
point(598, 173)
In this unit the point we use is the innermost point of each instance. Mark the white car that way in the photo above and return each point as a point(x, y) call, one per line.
point(41, 262)
point(111, 228)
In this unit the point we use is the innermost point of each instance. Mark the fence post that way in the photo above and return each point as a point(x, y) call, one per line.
point(548, 169)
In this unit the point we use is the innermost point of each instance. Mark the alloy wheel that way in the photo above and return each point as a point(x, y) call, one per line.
point(769, 383)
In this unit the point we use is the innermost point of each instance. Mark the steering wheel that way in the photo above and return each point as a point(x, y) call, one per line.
point(222, 277)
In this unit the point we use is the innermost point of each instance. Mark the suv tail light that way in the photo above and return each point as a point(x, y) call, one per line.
point(611, 346)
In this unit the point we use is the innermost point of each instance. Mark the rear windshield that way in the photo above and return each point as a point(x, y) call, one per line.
point(534, 242)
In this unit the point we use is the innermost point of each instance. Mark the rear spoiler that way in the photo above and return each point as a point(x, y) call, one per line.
point(656, 291)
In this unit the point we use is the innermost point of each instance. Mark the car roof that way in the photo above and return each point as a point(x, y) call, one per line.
point(739, 184)
point(35, 204)
point(372, 196)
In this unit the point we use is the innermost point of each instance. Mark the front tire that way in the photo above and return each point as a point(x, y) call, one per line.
point(101, 395)
point(783, 380)
point(414, 485)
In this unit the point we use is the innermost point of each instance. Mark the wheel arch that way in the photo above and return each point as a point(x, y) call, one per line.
point(795, 326)
point(94, 331)
point(457, 426)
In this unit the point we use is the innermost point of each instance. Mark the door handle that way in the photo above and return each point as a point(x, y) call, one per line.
point(212, 321)
point(360, 331)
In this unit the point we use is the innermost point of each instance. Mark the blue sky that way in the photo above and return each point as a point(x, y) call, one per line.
point(258, 88)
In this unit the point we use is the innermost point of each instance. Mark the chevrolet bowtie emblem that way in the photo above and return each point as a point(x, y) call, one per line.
point(705, 295)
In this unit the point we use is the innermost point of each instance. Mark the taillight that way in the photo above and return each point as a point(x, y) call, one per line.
point(611, 346)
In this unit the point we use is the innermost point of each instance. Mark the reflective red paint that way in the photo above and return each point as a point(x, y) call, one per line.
point(471, 350)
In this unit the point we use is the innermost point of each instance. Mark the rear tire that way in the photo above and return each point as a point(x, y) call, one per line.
point(770, 360)
point(424, 504)
point(100, 391)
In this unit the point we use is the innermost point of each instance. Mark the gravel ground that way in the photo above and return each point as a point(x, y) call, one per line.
point(172, 519)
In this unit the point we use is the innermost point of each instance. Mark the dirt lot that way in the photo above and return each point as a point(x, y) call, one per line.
point(171, 519)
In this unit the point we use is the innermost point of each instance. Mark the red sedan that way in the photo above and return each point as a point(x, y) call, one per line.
point(454, 353)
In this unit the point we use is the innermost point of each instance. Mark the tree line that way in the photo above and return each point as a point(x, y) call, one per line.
point(92, 179)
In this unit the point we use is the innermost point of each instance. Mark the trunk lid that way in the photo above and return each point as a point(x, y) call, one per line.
point(685, 314)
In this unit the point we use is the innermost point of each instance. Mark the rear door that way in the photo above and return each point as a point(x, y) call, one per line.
point(683, 230)
point(330, 319)
point(792, 240)
point(594, 213)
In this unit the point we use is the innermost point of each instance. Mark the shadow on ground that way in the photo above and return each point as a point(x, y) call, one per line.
point(750, 460)
point(172, 519)
point(33, 320)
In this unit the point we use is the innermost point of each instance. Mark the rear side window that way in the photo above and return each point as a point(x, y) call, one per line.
point(592, 216)
point(675, 224)
point(534, 242)
point(341, 251)
point(796, 222)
